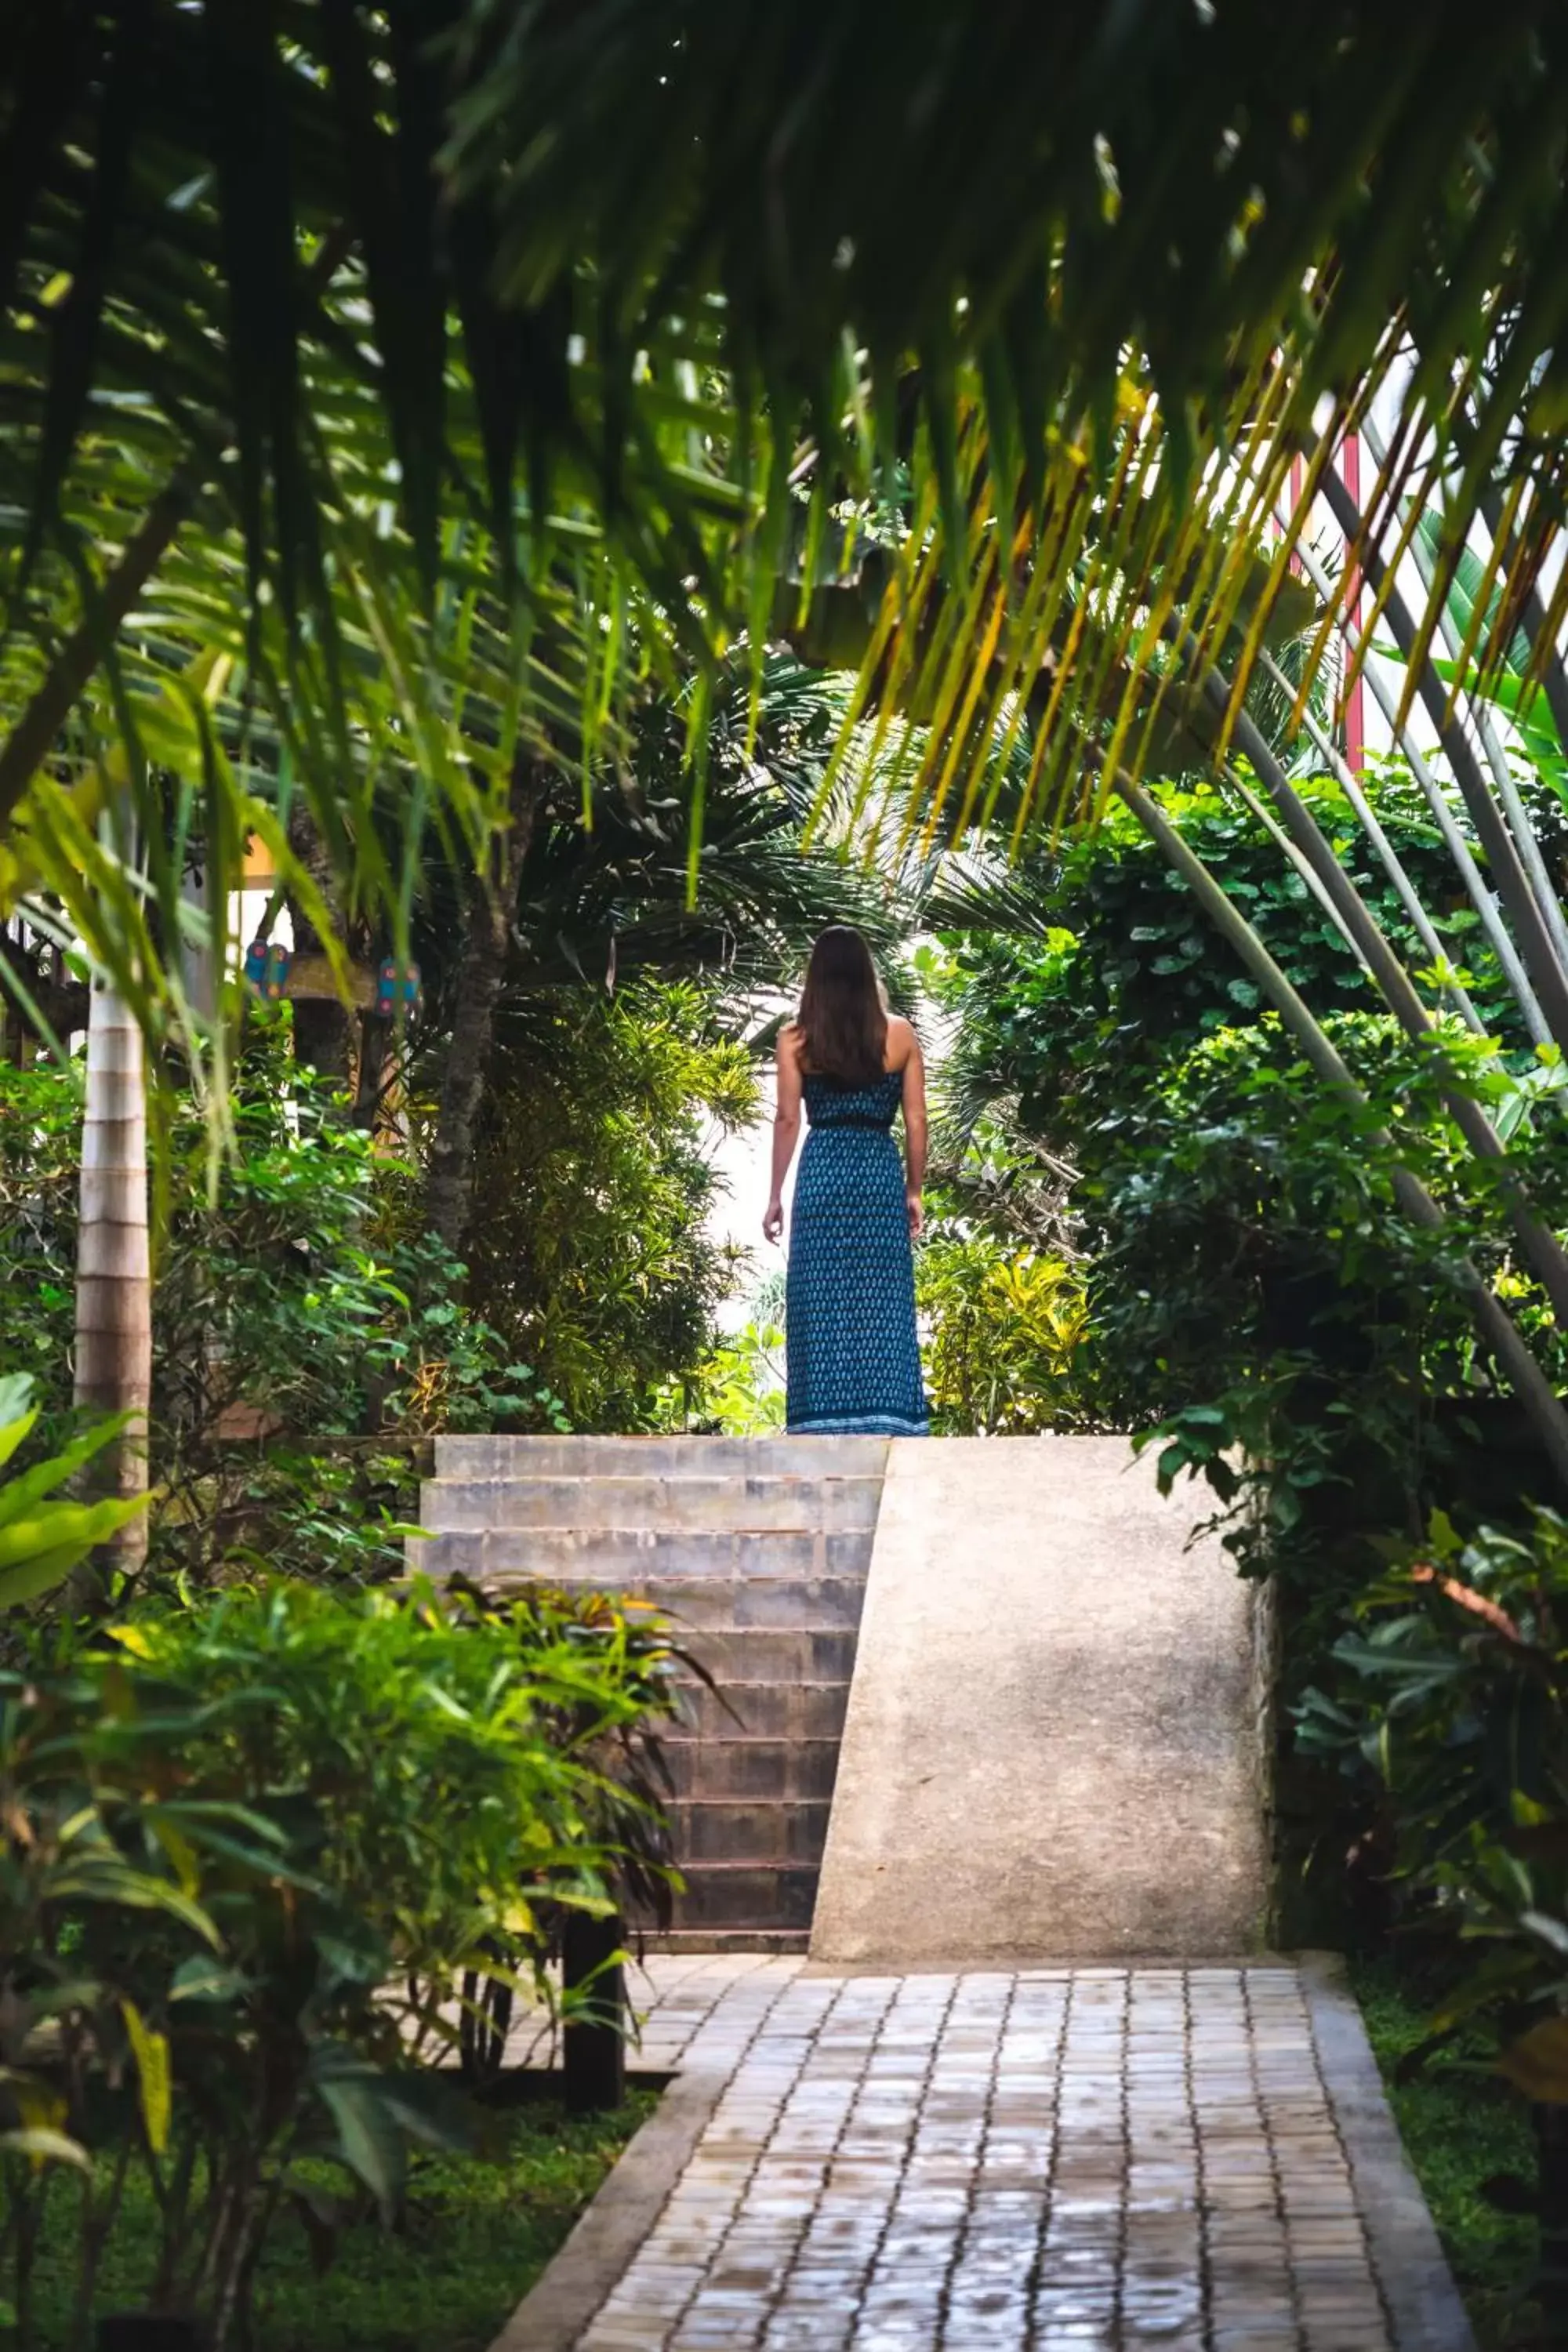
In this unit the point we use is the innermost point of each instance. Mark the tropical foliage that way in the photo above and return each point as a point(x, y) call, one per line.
point(590, 1257)
point(420, 427)
point(1007, 1326)
point(626, 265)
point(43, 1534)
point(309, 1332)
point(1453, 1687)
point(740, 1389)
point(1035, 561)
point(229, 1831)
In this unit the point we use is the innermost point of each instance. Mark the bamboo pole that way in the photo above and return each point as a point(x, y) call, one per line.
point(1388, 857)
point(1548, 977)
point(1481, 896)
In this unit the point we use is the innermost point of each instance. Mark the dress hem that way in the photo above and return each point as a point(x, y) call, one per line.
point(858, 1424)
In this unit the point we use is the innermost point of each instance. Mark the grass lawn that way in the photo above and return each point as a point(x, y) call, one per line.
point(478, 2232)
point(1460, 2125)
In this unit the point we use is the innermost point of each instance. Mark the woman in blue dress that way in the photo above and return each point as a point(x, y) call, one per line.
point(849, 1317)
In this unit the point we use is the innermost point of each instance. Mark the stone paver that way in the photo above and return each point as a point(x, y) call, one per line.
point(1068, 2158)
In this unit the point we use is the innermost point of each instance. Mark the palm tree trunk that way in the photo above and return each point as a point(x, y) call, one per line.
point(482, 969)
point(113, 1295)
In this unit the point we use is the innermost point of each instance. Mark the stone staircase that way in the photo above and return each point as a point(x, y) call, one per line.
point(759, 1550)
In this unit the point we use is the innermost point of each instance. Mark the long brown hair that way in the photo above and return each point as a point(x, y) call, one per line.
point(842, 1022)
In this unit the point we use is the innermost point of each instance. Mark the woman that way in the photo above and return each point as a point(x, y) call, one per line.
point(853, 1359)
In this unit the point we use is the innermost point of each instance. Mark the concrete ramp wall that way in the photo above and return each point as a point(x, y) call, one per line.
point(1052, 1744)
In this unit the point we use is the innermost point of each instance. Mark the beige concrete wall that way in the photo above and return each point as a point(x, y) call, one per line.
point(1052, 1748)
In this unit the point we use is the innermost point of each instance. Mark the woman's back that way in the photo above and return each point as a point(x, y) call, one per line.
point(854, 1357)
point(840, 1102)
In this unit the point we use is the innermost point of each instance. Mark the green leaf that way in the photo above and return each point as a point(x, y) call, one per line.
point(200, 1978)
point(1171, 1462)
point(45, 2147)
point(16, 1418)
point(152, 2051)
point(40, 1574)
point(370, 2138)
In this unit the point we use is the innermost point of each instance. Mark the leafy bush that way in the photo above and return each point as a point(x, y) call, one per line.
point(43, 1535)
point(249, 1852)
point(740, 1391)
point(1072, 1023)
point(1257, 1290)
point(1251, 1280)
point(308, 1332)
point(1452, 1689)
point(591, 1254)
point(1007, 1330)
point(40, 1162)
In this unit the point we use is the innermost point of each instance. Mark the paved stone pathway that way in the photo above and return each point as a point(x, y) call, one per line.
point(1071, 2160)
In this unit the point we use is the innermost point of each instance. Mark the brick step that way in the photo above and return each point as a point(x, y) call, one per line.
point(757, 1552)
point(767, 1654)
point(623, 1559)
point(730, 1939)
point(738, 1768)
point(786, 1829)
point(682, 1457)
point(747, 1895)
point(811, 1709)
point(722, 1604)
point(733, 1505)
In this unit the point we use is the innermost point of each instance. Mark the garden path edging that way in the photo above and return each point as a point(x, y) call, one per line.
point(589, 2265)
point(1425, 2309)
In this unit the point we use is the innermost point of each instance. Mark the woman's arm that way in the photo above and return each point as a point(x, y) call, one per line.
point(915, 1131)
point(786, 1129)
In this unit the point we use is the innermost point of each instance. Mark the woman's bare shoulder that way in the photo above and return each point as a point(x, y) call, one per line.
point(902, 1041)
point(791, 1040)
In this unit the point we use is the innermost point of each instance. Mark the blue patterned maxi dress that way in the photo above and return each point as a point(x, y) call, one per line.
point(854, 1362)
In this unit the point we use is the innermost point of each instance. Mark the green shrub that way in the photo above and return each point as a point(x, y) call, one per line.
point(1072, 1021)
point(1006, 1328)
point(739, 1391)
point(43, 1534)
point(251, 1850)
point(592, 1255)
point(308, 1332)
point(40, 1164)
point(1260, 1296)
point(1451, 1689)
